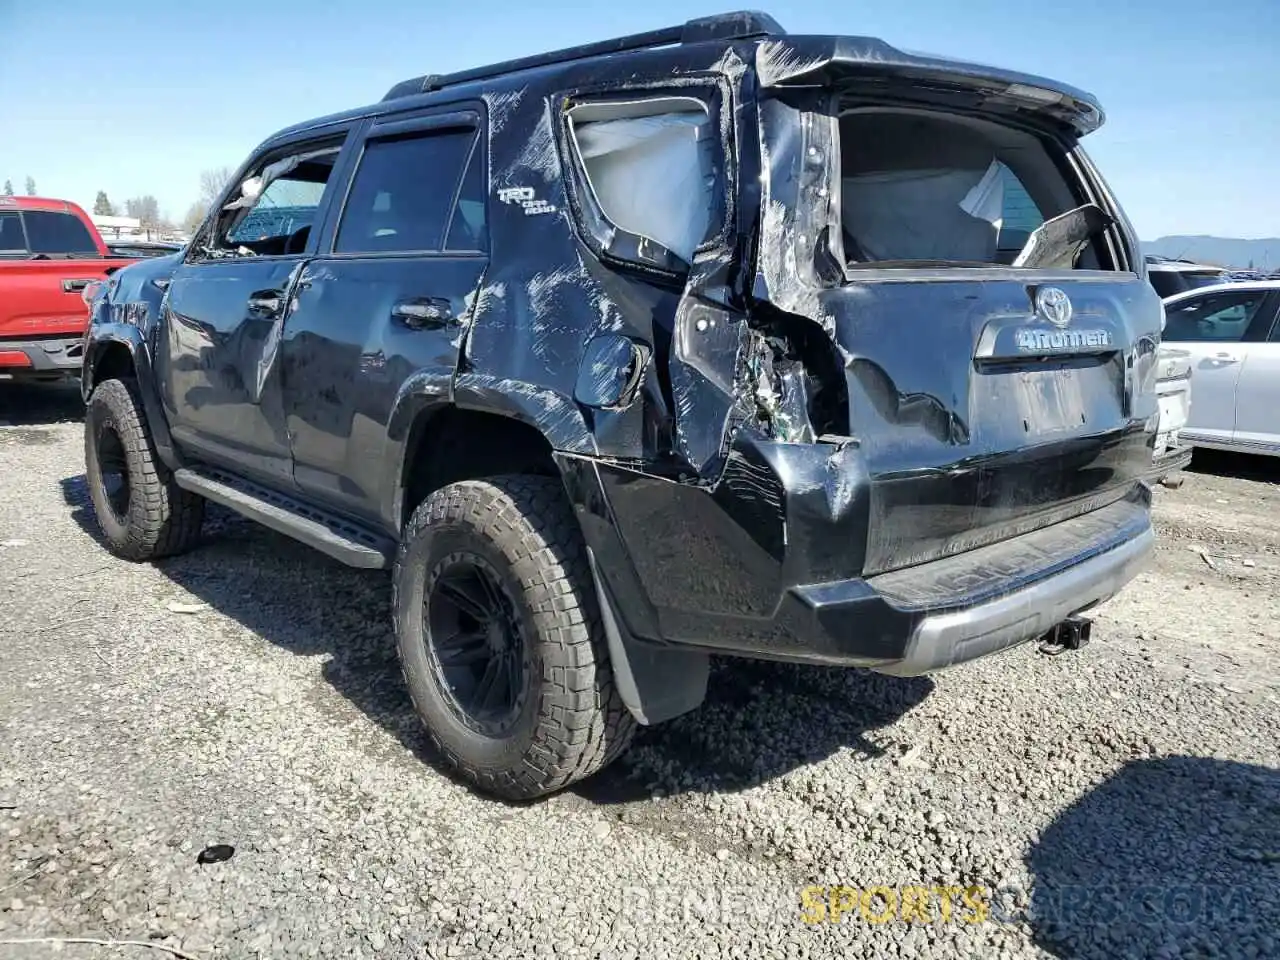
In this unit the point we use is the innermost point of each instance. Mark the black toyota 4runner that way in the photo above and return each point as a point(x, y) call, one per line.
point(710, 340)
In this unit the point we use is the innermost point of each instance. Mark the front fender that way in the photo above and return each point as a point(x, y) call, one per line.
point(116, 327)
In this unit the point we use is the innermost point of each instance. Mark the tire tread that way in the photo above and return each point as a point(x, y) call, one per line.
point(163, 518)
point(583, 724)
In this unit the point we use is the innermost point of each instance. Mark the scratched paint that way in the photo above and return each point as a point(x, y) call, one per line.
point(745, 352)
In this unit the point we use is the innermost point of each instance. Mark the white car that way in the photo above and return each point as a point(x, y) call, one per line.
point(1232, 335)
point(1173, 388)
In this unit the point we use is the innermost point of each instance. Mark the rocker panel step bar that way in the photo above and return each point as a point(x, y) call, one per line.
point(331, 534)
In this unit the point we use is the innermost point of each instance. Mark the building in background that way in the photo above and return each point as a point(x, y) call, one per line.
point(114, 227)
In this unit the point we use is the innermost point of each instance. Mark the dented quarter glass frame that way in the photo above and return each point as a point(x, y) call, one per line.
point(612, 242)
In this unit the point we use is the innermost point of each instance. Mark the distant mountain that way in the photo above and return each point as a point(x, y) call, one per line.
point(1220, 251)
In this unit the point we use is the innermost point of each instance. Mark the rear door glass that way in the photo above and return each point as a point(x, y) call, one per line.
point(51, 232)
point(402, 197)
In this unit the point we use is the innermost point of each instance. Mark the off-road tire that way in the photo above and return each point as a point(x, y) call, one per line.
point(573, 721)
point(161, 518)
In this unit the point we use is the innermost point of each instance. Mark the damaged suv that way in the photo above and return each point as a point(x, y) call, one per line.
point(710, 340)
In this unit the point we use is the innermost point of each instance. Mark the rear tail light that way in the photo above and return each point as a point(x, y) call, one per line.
point(14, 358)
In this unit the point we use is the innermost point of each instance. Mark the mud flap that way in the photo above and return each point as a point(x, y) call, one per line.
point(656, 683)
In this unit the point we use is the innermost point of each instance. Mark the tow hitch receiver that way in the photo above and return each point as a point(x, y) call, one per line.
point(1071, 634)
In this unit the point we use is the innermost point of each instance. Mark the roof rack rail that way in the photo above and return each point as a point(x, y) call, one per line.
point(739, 25)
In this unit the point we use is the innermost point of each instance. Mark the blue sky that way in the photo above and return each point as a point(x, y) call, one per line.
point(139, 97)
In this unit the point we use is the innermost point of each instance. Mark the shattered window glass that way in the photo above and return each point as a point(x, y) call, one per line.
point(402, 195)
point(285, 206)
point(272, 212)
point(931, 187)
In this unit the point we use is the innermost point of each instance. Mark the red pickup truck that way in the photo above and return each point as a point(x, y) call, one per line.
point(49, 252)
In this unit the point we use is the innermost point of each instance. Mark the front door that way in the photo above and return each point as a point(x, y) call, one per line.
point(1216, 328)
point(1258, 403)
point(385, 303)
point(217, 363)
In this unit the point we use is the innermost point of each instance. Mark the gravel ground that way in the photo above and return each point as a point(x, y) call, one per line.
point(1121, 801)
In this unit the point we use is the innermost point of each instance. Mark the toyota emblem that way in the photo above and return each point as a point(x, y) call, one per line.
point(1054, 305)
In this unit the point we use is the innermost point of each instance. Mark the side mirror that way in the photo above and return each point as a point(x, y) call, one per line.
point(610, 372)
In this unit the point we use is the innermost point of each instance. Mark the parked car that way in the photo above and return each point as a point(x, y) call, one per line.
point(142, 248)
point(1170, 276)
point(709, 340)
point(1232, 335)
point(50, 253)
point(1172, 452)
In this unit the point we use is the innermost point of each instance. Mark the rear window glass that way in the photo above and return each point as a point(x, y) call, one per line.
point(933, 187)
point(50, 232)
point(12, 240)
point(1169, 282)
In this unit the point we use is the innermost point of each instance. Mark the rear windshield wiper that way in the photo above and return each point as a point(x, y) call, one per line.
point(1057, 242)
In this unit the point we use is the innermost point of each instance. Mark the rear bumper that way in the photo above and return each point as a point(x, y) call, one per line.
point(1170, 462)
point(764, 565)
point(45, 356)
point(954, 627)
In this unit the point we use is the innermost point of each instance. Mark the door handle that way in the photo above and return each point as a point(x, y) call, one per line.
point(265, 301)
point(1223, 357)
point(424, 313)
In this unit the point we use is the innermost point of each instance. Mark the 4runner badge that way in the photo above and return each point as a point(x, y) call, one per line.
point(527, 199)
point(1054, 306)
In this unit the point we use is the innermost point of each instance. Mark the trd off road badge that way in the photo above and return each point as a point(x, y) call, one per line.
point(1053, 307)
point(527, 199)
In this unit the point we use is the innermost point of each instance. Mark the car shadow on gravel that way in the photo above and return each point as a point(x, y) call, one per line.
point(40, 404)
point(1240, 466)
point(760, 720)
point(1171, 857)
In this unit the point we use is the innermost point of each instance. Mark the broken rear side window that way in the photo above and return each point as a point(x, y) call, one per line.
point(930, 187)
point(650, 168)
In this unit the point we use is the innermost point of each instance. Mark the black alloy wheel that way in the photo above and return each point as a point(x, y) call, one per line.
point(477, 648)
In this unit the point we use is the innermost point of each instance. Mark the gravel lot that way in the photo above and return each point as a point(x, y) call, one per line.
point(1121, 801)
